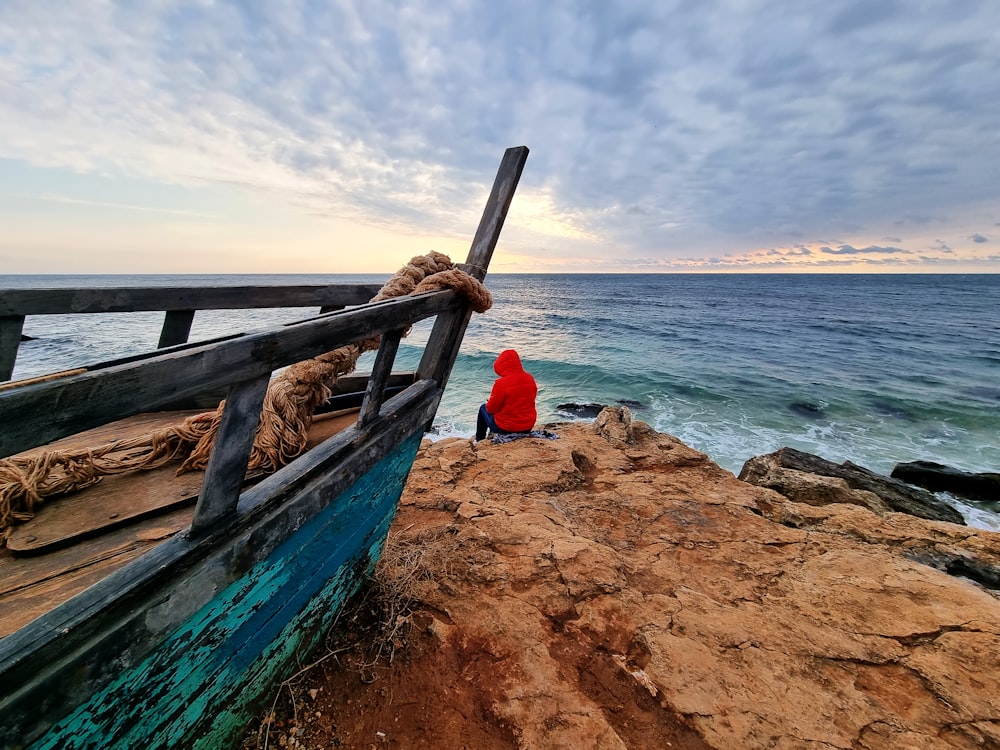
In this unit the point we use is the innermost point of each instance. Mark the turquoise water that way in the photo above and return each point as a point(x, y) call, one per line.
point(872, 369)
point(875, 369)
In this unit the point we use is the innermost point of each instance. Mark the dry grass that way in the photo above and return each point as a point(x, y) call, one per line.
point(371, 629)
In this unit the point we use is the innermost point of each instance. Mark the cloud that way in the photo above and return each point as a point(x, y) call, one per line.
point(54, 198)
point(870, 250)
point(862, 14)
point(979, 238)
point(657, 127)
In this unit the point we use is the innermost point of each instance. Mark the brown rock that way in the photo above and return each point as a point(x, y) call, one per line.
point(623, 591)
point(806, 487)
point(860, 483)
point(615, 425)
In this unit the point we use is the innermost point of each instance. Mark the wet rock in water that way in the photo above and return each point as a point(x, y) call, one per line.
point(807, 409)
point(584, 411)
point(631, 403)
point(27, 338)
point(771, 470)
point(887, 409)
point(807, 487)
point(983, 487)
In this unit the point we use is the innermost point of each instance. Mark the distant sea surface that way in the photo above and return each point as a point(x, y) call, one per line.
point(875, 369)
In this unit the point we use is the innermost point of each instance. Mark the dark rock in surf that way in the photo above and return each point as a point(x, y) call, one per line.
point(806, 409)
point(772, 470)
point(983, 487)
point(631, 403)
point(583, 411)
point(890, 410)
point(27, 338)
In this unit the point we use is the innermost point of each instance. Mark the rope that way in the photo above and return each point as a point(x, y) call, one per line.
point(291, 400)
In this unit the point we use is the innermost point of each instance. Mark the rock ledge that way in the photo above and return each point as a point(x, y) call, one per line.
point(617, 589)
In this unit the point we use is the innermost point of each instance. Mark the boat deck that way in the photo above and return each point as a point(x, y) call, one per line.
point(77, 539)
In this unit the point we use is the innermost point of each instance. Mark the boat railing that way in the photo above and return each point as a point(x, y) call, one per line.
point(179, 305)
point(37, 413)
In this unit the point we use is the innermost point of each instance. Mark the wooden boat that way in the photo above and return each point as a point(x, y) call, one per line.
point(209, 601)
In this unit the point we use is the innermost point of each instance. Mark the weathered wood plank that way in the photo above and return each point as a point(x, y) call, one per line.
point(32, 586)
point(227, 464)
point(176, 328)
point(134, 299)
point(232, 650)
point(375, 392)
point(41, 412)
point(48, 657)
point(120, 500)
point(449, 329)
point(495, 212)
point(123, 499)
point(10, 339)
point(116, 499)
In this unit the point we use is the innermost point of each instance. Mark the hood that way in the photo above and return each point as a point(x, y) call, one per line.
point(508, 362)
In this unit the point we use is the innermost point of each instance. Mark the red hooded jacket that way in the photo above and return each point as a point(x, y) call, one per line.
point(512, 400)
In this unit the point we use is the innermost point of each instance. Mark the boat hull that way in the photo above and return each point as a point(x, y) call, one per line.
point(202, 685)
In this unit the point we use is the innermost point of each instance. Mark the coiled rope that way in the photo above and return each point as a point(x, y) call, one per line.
point(292, 398)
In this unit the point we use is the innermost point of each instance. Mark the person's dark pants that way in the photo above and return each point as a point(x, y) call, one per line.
point(486, 422)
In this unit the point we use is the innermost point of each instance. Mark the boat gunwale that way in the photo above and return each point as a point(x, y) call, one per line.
point(92, 399)
point(284, 500)
point(64, 300)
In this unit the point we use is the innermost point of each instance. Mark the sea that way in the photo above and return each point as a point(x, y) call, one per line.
point(874, 369)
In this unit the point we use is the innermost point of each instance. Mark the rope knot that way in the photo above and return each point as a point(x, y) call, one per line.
point(474, 291)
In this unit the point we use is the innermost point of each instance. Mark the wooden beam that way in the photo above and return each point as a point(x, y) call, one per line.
point(449, 329)
point(176, 328)
point(135, 299)
point(10, 339)
point(495, 212)
point(227, 465)
point(41, 412)
point(375, 391)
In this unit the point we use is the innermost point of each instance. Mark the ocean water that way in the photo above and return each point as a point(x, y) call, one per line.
point(876, 369)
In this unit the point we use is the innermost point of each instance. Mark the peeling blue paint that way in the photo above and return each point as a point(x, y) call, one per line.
point(202, 686)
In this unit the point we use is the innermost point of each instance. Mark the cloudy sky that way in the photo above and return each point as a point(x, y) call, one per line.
point(336, 136)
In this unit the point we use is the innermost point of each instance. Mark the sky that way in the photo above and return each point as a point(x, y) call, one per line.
point(330, 136)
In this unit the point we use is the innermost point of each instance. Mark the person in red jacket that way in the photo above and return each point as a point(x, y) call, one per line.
point(511, 406)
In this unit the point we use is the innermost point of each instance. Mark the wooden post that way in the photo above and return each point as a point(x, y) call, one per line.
point(445, 340)
point(227, 465)
point(176, 328)
point(375, 391)
point(10, 339)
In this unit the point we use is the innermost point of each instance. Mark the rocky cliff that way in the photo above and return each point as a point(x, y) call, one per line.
point(616, 589)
